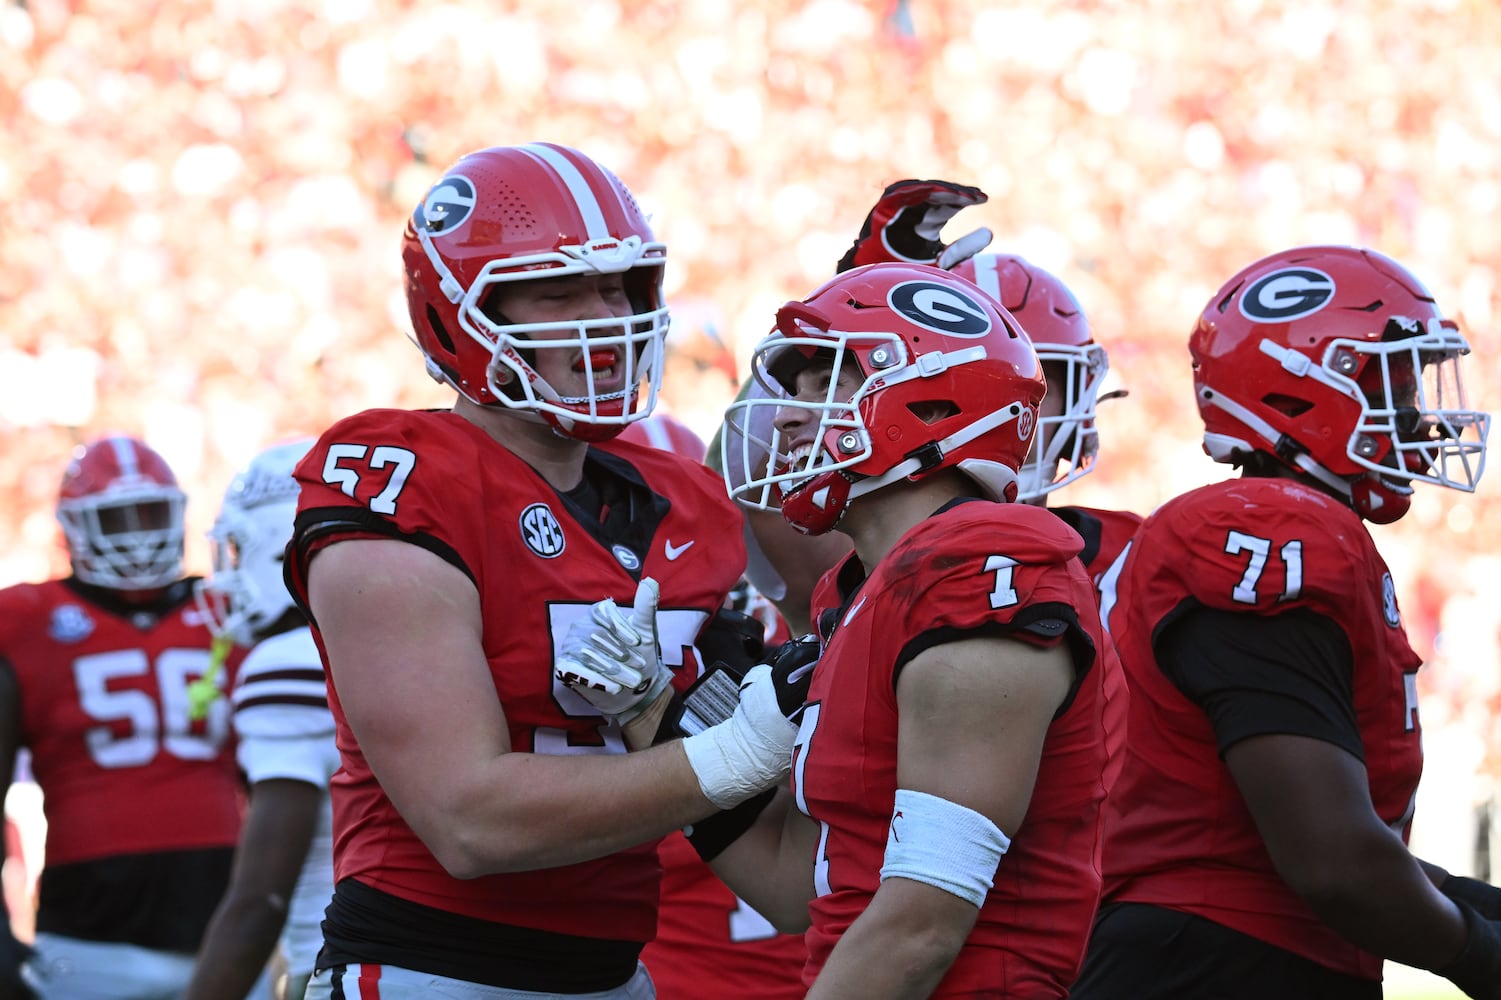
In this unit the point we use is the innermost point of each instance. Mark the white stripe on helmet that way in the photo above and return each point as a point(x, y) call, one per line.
point(589, 208)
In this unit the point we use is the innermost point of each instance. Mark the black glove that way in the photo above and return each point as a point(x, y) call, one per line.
point(1485, 898)
point(907, 222)
point(13, 954)
point(1477, 970)
point(792, 672)
point(734, 638)
point(713, 697)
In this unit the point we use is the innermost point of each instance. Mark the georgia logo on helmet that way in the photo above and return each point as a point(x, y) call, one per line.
point(245, 595)
point(918, 337)
point(121, 513)
point(1067, 441)
point(1336, 361)
point(518, 213)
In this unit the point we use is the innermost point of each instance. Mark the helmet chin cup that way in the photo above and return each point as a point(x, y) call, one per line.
point(815, 506)
point(1378, 501)
point(580, 430)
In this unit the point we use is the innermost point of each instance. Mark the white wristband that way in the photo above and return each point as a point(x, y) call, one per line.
point(747, 753)
point(943, 844)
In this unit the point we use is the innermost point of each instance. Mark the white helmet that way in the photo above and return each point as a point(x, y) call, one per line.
point(246, 594)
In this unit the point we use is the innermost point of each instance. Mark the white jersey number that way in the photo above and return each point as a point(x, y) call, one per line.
point(800, 750)
point(401, 461)
point(676, 630)
point(1260, 549)
point(152, 724)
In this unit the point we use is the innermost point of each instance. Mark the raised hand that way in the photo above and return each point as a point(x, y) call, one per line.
point(906, 225)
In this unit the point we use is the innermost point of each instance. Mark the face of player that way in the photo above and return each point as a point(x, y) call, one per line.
point(564, 301)
point(799, 426)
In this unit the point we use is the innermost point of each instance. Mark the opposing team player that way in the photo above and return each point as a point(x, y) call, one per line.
point(142, 800)
point(1257, 835)
point(283, 871)
point(461, 569)
point(961, 684)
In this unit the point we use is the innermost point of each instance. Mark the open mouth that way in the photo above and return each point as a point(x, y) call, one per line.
point(796, 461)
point(604, 361)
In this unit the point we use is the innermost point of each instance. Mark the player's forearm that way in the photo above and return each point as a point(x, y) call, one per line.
point(769, 865)
point(900, 947)
point(524, 811)
point(1375, 894)
point(236, 947)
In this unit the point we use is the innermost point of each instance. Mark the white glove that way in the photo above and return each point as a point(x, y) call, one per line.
point(612, 660)
point(750, 751)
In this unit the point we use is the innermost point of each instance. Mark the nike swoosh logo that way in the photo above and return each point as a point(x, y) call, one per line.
point(854, 611)
point(673, 551)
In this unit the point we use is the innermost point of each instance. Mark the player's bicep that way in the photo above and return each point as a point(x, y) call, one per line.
point(973, 715)
point(1310, 801)
point(402, 632)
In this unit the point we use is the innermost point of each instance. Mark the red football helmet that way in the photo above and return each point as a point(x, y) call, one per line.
point(122, 514)
point(917, 336)
point(1337, 362)
point(1066, 443)
point(517, 213)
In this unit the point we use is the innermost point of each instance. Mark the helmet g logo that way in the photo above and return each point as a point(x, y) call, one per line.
point(1285, 295)
point(939, 307)
point(447, 205)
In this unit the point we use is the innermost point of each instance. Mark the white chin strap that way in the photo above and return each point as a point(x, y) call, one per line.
point(1222, 447)
point(993, 478)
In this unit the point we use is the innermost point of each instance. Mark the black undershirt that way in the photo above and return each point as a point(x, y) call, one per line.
point(1253, 675)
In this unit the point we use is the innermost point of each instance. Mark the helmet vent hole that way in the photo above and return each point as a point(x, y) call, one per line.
point(438, 330)
point(930, 411)
point(1288, 406)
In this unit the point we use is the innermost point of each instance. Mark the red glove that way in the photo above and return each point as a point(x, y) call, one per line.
point(907, 222)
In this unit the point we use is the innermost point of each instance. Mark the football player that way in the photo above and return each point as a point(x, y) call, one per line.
point(283, 872)
point(141, 798)
point(461, 570)
point(906, 226)
point(1257, 834)
point(963, 669)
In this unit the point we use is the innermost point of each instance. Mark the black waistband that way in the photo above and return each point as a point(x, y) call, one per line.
point(365, 926)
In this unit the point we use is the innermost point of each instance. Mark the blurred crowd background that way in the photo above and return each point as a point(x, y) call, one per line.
point(203, 201)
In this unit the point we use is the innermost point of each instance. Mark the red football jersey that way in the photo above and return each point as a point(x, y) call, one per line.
point(974, 565)
point(439, 480)
point(711, 943)
point(1105, 534)
point(1180, 834)
point(104, 709)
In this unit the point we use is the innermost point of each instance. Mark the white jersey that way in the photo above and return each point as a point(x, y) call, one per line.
point(286, 731)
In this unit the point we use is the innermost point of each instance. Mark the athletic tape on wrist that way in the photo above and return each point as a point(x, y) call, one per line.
point(749, 752)
point(943, 844)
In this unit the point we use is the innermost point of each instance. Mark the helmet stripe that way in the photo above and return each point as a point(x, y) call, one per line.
point(583, 196)
point(125, 456)
point(988, 277)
